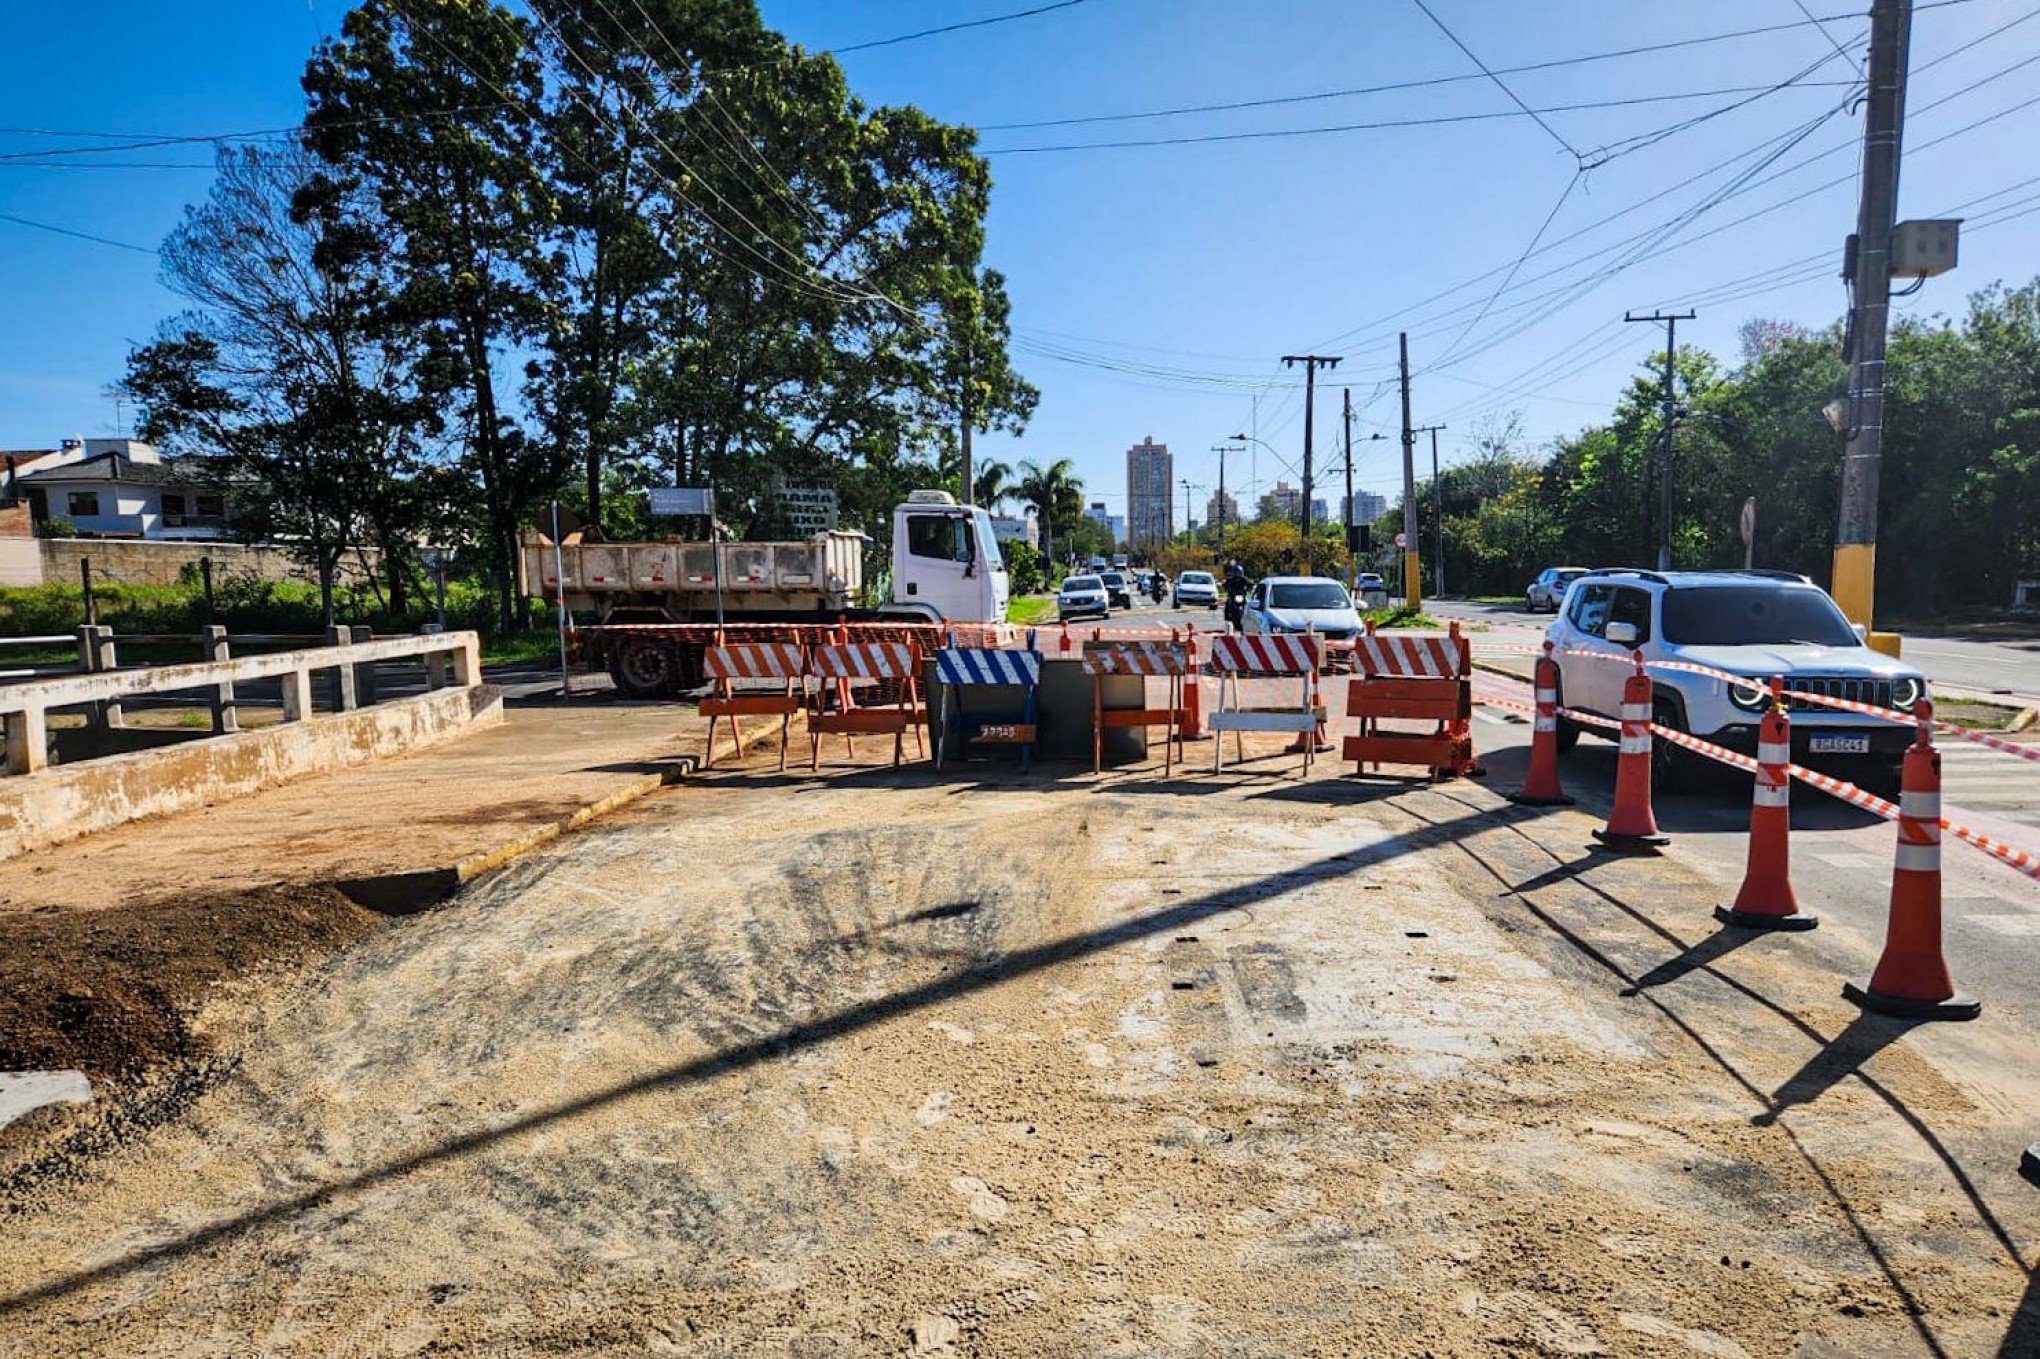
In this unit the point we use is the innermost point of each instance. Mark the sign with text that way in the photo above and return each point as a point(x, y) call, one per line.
point(681, 500)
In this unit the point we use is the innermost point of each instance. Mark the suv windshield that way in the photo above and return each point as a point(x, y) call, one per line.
point(1075, 583)
point(1317, 595)
point(1194, 578)
point(1746, 615)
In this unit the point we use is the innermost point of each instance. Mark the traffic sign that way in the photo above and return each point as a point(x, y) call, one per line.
point(1402, 540)
point(679, 500)
point(1749, 520)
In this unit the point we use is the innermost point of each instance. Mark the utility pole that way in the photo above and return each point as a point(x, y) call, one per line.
point(1187, 521)
point(1437, 512)
point(1353, 557)
point(1222, 450)
point(1855, 576)
point(1311, 363)
point(1664, 534)
point(1413, 579)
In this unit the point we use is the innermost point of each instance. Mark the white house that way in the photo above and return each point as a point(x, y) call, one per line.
point(116, 488)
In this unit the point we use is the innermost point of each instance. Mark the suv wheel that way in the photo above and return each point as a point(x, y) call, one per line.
point(1672, 767)
point(1530, 603)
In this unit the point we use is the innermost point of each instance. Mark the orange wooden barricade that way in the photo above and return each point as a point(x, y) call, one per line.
point(1414, 678)
point(896, 665)
point(1168, 659)
point(752, 660)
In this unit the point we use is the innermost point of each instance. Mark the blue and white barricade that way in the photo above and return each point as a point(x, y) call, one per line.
point(978, 667)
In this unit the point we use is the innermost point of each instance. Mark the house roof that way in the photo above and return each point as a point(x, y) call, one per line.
point(111, 468)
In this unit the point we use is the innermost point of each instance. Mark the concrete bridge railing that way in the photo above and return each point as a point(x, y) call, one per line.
point(452, 660)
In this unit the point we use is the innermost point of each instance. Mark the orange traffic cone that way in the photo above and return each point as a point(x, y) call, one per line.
point(1192, 727)
point(1911, 980)
point(1632, 828)
point(1766, 901)
point(1541, 787)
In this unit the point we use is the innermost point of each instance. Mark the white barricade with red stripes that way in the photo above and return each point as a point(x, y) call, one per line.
point(1241, 657)
point(843, 662)
point(731, 661)
point(1167, 660)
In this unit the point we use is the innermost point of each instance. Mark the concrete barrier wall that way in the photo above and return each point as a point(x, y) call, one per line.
point(67, 801)
point(125, 561)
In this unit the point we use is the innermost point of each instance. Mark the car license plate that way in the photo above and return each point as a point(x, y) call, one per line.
point(1838, 745)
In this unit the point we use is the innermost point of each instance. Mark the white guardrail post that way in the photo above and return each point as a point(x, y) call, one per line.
point(25, 707)
point(224, 716)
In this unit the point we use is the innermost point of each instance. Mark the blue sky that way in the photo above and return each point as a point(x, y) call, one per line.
point(1155, 287)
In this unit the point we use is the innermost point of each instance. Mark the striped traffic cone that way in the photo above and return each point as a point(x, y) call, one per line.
point(1192, 728)
point(1632, 827)
point(1541, 787)
point(1766, 901)
point(1911, 980)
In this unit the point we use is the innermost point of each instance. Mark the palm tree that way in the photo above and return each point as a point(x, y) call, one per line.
point(994, 485)
point(1057, 494)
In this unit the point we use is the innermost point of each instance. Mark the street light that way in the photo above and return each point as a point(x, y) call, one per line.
point(1222, 450)
point(1248, 438)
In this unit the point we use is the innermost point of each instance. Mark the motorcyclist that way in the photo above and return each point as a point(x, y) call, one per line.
point(1236, 588)
point(1155, 588)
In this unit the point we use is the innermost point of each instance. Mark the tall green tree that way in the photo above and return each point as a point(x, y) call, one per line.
point(281, 375)
point(433, 114)
point(1057, 494)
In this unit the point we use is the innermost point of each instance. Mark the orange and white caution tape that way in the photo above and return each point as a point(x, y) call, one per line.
point(2025, 861)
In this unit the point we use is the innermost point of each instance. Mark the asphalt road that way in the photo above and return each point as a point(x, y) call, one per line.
point(1842, 855)
point(2008, 669)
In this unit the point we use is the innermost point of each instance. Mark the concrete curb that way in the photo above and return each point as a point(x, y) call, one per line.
point(416, 890)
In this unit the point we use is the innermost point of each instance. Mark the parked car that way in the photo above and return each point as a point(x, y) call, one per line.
point(1748, 623)
point(1542, 595)
point(1081, 595)
point(1118, 589)
point(1196, 589)
point(1371, 590)
point(1301, 604)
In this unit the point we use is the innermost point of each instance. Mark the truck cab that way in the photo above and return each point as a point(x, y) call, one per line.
point(945, 561)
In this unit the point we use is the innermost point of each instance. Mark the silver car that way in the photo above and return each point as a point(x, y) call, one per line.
point(1542, 595)
point(1081, 595)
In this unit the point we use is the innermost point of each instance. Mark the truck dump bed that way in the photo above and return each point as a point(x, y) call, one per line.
point(825, 572)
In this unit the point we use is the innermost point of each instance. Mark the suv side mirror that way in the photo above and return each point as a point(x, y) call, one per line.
point(1621, 634)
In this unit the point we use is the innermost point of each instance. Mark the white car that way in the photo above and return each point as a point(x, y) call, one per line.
point(1196, 588)
point(1081, 595)
point(1301, 604)
point(1543, 594)
point(1750, 623)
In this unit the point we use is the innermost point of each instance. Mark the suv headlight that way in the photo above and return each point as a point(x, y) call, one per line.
point(1906, 692)
point(1752, 696)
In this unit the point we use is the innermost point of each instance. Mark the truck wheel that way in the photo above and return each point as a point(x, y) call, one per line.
point(646, 669)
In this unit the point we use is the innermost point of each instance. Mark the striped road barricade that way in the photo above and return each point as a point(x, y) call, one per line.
point(726, 663)
point(969, 667)
point(894, 666)
point(1239, 657)
point(1169, 660)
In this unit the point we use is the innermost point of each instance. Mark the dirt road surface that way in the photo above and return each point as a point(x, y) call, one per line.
point(881, 1064)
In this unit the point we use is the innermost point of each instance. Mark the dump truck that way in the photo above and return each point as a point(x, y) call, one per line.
point(656, 605)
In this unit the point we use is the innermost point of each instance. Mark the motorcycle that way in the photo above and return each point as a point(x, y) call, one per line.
point(1155, 590)
point(1235, 603)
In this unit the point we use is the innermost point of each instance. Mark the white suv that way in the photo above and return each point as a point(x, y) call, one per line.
point(1754, 623)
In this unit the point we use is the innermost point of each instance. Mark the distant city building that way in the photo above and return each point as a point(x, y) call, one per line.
point(1150, 498)
point(1319, 512)
point(1367, 507)
point(1226, 512)
point(1284, 502)
point(1115, 524)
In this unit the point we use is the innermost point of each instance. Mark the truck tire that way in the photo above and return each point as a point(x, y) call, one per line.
point(646, 668)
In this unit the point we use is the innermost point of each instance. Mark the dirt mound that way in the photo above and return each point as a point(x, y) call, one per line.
point(115, 992)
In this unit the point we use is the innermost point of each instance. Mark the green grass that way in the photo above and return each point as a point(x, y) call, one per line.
point(1403, 616)
point(1031, 611)
point(533, 648)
